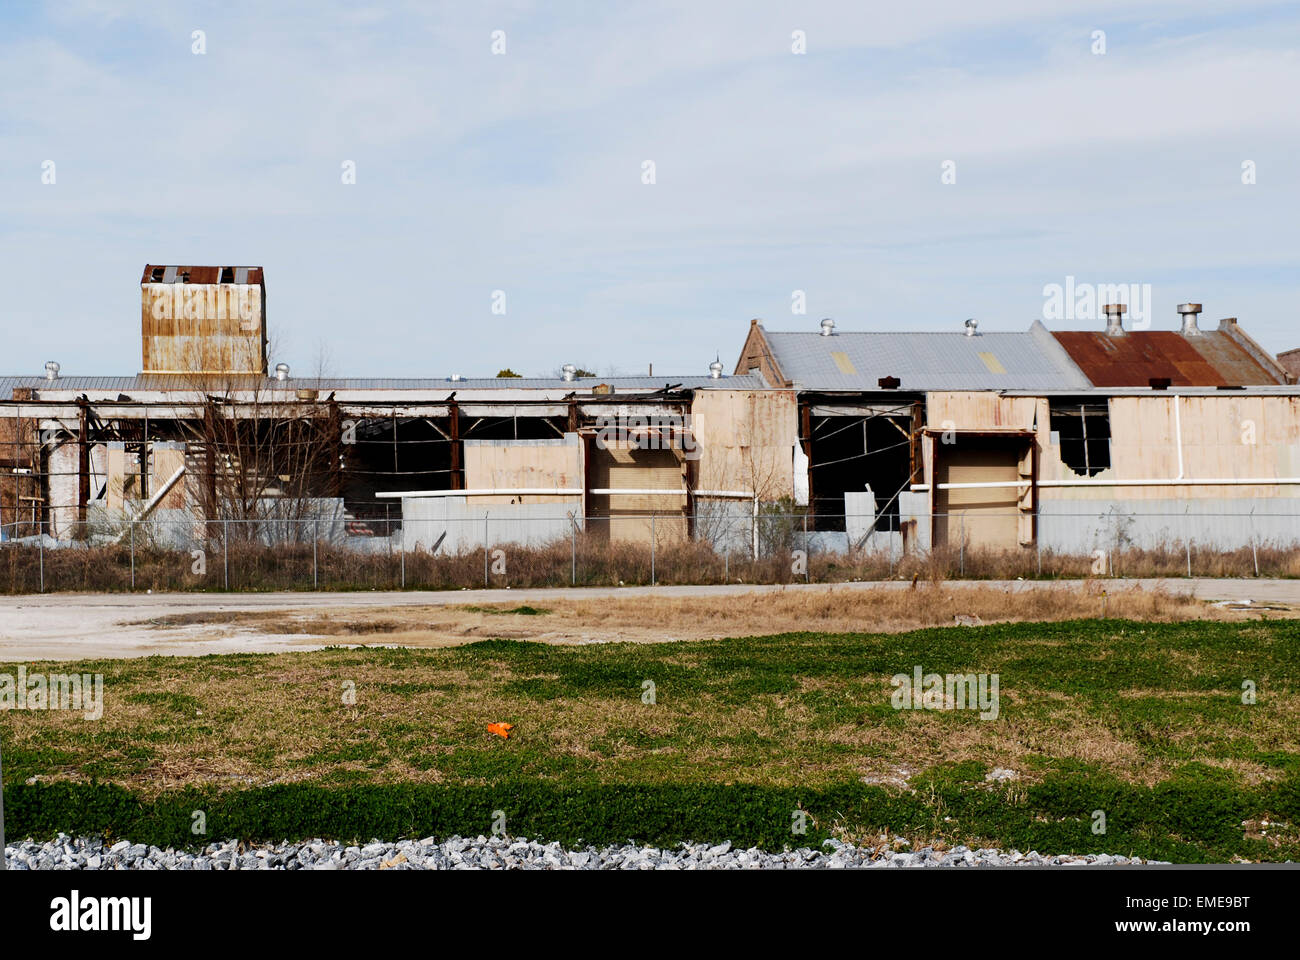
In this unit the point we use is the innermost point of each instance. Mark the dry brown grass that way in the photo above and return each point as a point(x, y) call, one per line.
point(653, 619)
point(588, 561)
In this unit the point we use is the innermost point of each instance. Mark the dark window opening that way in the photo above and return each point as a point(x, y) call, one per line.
point(853, 453)
point(1082, 431)
point(391, 455)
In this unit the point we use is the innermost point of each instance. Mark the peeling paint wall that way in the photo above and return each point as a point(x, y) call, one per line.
point(524, 464)
point(1222, 437)
point(746, 440)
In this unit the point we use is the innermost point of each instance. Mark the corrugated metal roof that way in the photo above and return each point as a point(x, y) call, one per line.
point(175, 273)
point(1133, 360)
point(437, 388)
point(925, 361)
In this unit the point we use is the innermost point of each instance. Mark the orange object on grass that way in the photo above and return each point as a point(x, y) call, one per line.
point(502, 730)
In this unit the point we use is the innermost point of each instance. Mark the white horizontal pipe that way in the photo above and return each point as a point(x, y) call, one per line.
point(1093, 482)
point(518, 492)
point(568, 492)
point(632, 492)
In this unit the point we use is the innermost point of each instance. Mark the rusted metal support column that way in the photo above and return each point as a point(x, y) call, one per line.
point(914, 458)
point(689, 453)
point(210, 455)
point(805, 440)
point(335, 428)
point(83, 457)
point(457, 472)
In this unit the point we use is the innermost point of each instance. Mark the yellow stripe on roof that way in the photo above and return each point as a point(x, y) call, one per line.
point(843, 362)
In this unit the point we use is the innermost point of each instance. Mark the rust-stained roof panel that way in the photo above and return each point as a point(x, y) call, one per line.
point(174, 273)
point(1231, 360)
point(1133, 360)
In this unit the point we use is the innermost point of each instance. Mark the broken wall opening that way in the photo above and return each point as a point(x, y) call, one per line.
point(853, 449)
point(1081, 432)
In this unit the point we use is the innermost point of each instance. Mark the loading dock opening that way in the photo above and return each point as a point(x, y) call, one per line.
point(984, 488)
point(853, 447)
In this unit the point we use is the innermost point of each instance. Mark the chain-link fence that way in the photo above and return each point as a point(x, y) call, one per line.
point(555, 548)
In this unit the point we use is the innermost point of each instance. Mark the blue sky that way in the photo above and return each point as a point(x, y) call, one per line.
point(522, 172)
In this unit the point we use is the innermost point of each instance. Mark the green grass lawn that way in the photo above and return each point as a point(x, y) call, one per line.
point(1144, 722)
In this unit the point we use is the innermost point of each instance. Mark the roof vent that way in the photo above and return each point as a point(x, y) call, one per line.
point(1189, 312)
point(888, 383)
point(715, 370)
point(51, 370)
point(971, 326)
point(1115, 318)
point(828, 327)
point(282, 371)
point(569, 372)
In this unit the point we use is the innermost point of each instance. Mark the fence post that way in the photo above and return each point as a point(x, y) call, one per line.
point(1254, 550)
point(573, 551)
point(402, 549)
point(652, 549)
point(962, 548)
point(1187, 537)
point(132, 554)
point(225, 551)
point(2, 812)
point(315, 539)
point(40, 545)
point(485, 550)
point(807, 556)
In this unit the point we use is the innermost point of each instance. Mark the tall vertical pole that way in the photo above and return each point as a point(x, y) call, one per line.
point(3, 858)
point(652, 549)
point(807, 560)
point(225, 551)
point(1254, 550)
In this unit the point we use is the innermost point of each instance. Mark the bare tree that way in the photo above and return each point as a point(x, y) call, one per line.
point(264, 451)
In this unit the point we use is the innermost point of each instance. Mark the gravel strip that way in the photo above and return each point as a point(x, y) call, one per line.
point(496, 853)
